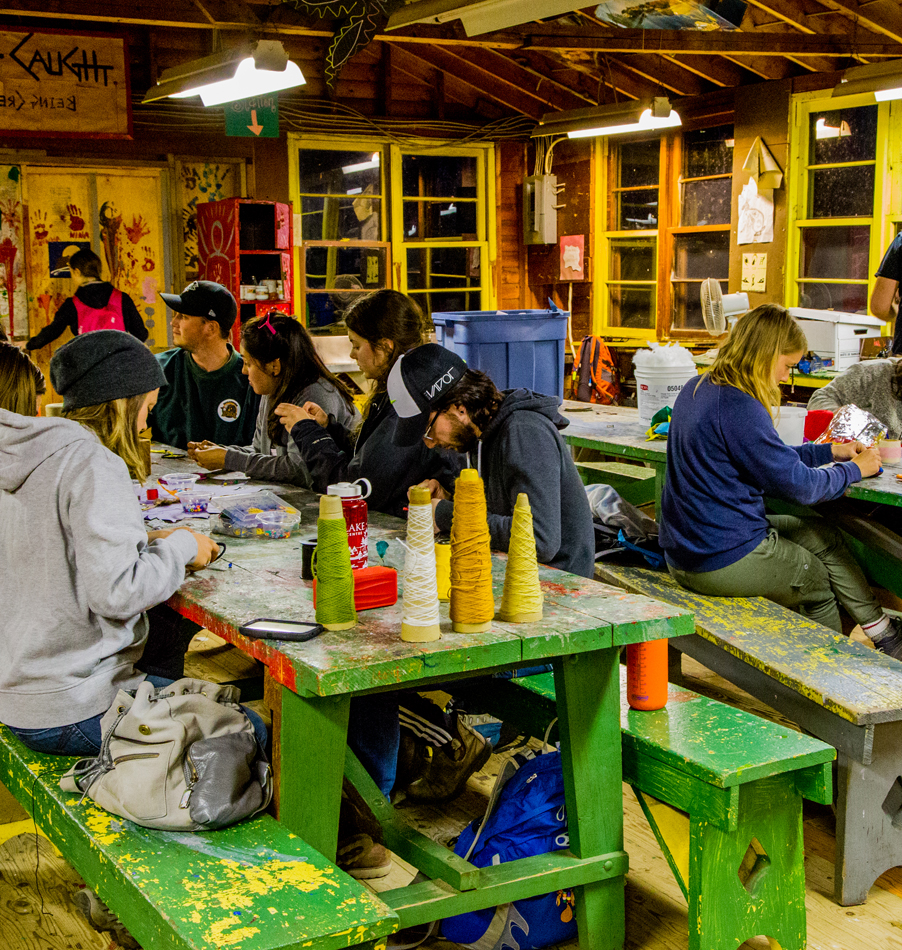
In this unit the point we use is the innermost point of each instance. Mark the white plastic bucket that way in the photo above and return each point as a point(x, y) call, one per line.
point(790, 423)
point(658, 386)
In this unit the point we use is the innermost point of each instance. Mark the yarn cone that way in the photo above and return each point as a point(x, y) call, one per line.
point(334, 578)
point(521, 601)
point(472, 602)
point(420, 620)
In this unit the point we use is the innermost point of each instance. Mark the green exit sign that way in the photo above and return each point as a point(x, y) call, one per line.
point(257, 117)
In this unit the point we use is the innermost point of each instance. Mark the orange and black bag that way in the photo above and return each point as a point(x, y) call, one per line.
point(595, 374)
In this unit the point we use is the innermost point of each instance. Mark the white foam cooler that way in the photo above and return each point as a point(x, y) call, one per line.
point(836, 335)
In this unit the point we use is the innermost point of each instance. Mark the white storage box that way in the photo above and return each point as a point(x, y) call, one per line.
point(835, 335)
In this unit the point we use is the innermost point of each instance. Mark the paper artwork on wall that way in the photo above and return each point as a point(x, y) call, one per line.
point(754, 273)
point(573, 256)
point(756, 215)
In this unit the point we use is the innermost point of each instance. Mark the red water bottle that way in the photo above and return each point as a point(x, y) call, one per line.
point(646, 675)
point(354, 507)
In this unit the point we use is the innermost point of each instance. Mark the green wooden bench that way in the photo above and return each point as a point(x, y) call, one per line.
point(253, 886)
point(634, 483)
point(722, 790)
point(844, 693)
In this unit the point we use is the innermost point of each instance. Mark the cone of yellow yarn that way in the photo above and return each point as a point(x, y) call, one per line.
point(472, 602)
point(521, 601)
point(419, 623)
point(334, 578)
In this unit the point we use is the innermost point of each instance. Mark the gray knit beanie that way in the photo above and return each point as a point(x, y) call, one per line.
point(102, 366)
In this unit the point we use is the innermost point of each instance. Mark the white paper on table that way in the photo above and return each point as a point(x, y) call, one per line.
point(756, 215)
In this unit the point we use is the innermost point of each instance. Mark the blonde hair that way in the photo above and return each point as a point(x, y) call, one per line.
point(21, 382)
point(747, 359)
point(115, 423)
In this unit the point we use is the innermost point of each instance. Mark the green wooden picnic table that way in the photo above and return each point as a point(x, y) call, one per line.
point(585, 624)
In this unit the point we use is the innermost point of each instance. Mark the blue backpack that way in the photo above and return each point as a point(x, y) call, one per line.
point(525, 816)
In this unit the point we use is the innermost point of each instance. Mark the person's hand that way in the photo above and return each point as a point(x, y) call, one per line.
point(844, 451)
point(436, 490)
point(290, 415)
point(208, 458)
point(207, 551)
point(868, 461)
point(320, 416)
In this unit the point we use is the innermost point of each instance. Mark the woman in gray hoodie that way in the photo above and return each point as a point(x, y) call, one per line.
point(78, 570)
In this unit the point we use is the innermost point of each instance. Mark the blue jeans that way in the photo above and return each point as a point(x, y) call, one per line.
point(374, 735)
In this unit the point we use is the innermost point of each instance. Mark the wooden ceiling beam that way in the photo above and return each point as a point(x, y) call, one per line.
point(673, 78)
point(882, 16)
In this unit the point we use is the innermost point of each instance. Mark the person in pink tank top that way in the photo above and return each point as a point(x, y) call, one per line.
point(96, 305)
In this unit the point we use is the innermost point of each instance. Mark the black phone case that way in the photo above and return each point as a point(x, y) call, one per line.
point(299, 636)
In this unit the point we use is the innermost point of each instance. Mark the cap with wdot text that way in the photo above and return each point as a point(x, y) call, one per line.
point(204, 298)
point(417, 383)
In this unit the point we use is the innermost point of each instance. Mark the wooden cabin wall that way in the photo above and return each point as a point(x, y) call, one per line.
point(762, 110)
point(512, 285)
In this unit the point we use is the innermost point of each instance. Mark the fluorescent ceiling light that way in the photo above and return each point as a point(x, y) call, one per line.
point(232, 74)
point(884, 80)
point(362, 166)
point(479, 16)
point(643, 115)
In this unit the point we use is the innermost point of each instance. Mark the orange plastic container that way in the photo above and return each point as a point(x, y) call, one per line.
point(646, 675)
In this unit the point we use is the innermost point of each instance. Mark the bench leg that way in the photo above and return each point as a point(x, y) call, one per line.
point(751, 881)
point(587, 687)
point(868, 815)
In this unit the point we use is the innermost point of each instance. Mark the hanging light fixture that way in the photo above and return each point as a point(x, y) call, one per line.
point(641, 115)
point(231, 74)
point(882, 79)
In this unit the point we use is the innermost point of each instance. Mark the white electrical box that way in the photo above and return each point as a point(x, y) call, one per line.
point(540, 209)
point(835, 335)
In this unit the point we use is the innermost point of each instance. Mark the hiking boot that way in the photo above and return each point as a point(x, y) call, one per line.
point(363, 858)
point(101, 918)
point(451, 765)
point(891, 641)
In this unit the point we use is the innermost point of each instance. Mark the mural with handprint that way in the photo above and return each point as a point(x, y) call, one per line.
point(198, 182)
point(13, 296)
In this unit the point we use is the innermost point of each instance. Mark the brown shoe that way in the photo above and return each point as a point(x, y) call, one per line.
point(362, 858)
point(451, 765)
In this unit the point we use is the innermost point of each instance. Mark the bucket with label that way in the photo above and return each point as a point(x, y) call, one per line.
point(661, 372)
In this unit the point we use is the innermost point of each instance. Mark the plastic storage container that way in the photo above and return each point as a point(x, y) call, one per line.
point(790, 423)
point(517, 348)
point(278, 524)
point(239, 517)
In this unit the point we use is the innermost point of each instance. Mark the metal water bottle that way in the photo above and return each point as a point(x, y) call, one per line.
point(355, 512)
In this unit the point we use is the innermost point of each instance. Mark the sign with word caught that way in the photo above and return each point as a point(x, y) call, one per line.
point(64, 84)
point(257, 117)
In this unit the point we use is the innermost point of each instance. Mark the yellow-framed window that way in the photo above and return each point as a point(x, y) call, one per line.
point(841, 214)
point(442, 233)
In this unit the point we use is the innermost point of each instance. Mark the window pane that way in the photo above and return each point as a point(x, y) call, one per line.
point(441, 267)
point(448, 301)
point(336, 219)
point(450, 221)
point(706, 202)
point(638, 163)
point(326, 311)
point(337, 172)
point(842, 135)
point(632, 307)
point(345, 269)
point(840, 252)
point(434, 176)
point(698, 256)
point(853, 298)
point(633, 259)
point(637, 210)
point(842, 192)
point(687, 305)
point(705, 152)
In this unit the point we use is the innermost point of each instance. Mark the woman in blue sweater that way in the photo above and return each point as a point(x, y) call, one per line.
point(724, 456)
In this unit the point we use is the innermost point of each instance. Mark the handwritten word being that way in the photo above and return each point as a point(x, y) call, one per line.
point(16, 101)
point(53, 63)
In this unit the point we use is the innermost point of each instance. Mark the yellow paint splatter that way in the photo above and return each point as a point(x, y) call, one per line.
point(104, 827)
point(217, 937)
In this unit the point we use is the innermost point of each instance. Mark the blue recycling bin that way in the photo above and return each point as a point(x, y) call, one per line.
point(516, 348)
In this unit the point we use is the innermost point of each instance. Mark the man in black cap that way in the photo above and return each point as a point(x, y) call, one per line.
point(512, 438)
point(208, 397)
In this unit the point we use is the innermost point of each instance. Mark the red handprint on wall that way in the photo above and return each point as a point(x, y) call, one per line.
point(148, 264)
point(76, 221)
point(39, 227)
point(137, 229)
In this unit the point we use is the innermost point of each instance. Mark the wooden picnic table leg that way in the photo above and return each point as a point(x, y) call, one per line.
point(314, 737)
point(587, 687)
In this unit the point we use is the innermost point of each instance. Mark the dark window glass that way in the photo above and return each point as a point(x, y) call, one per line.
point(433, 176)
point(836, 252)
point(697, 256)
point(632, 306)
point(322, 171)
point(852, 298)
point(706, 202)
point(706, 152)
point(633, 259)
point(842, 192)
point(445, 220)
point(637, 210)
point(439, 268)
point(843, 135)
point(639, 163)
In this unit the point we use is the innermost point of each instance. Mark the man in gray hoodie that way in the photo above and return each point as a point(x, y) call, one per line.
point(515, 435)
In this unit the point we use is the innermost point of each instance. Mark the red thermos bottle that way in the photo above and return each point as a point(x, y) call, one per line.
point(646, 675)
point(355, 513)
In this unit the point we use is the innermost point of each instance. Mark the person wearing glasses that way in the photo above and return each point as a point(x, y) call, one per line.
point(381, 326)
point(512, 437)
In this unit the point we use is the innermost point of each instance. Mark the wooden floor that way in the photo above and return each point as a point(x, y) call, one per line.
point(36, 885)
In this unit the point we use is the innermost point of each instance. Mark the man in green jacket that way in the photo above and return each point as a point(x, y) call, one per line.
point(208, 396)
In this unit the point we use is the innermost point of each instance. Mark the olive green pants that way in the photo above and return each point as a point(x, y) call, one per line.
point(803, 564)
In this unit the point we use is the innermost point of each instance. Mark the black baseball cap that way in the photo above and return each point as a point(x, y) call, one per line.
point(418, 382)
point(204, 298)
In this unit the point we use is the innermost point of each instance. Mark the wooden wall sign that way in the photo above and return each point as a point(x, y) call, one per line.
point(57, 83)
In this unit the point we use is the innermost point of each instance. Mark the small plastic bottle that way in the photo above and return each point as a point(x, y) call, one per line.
point(646, 675)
